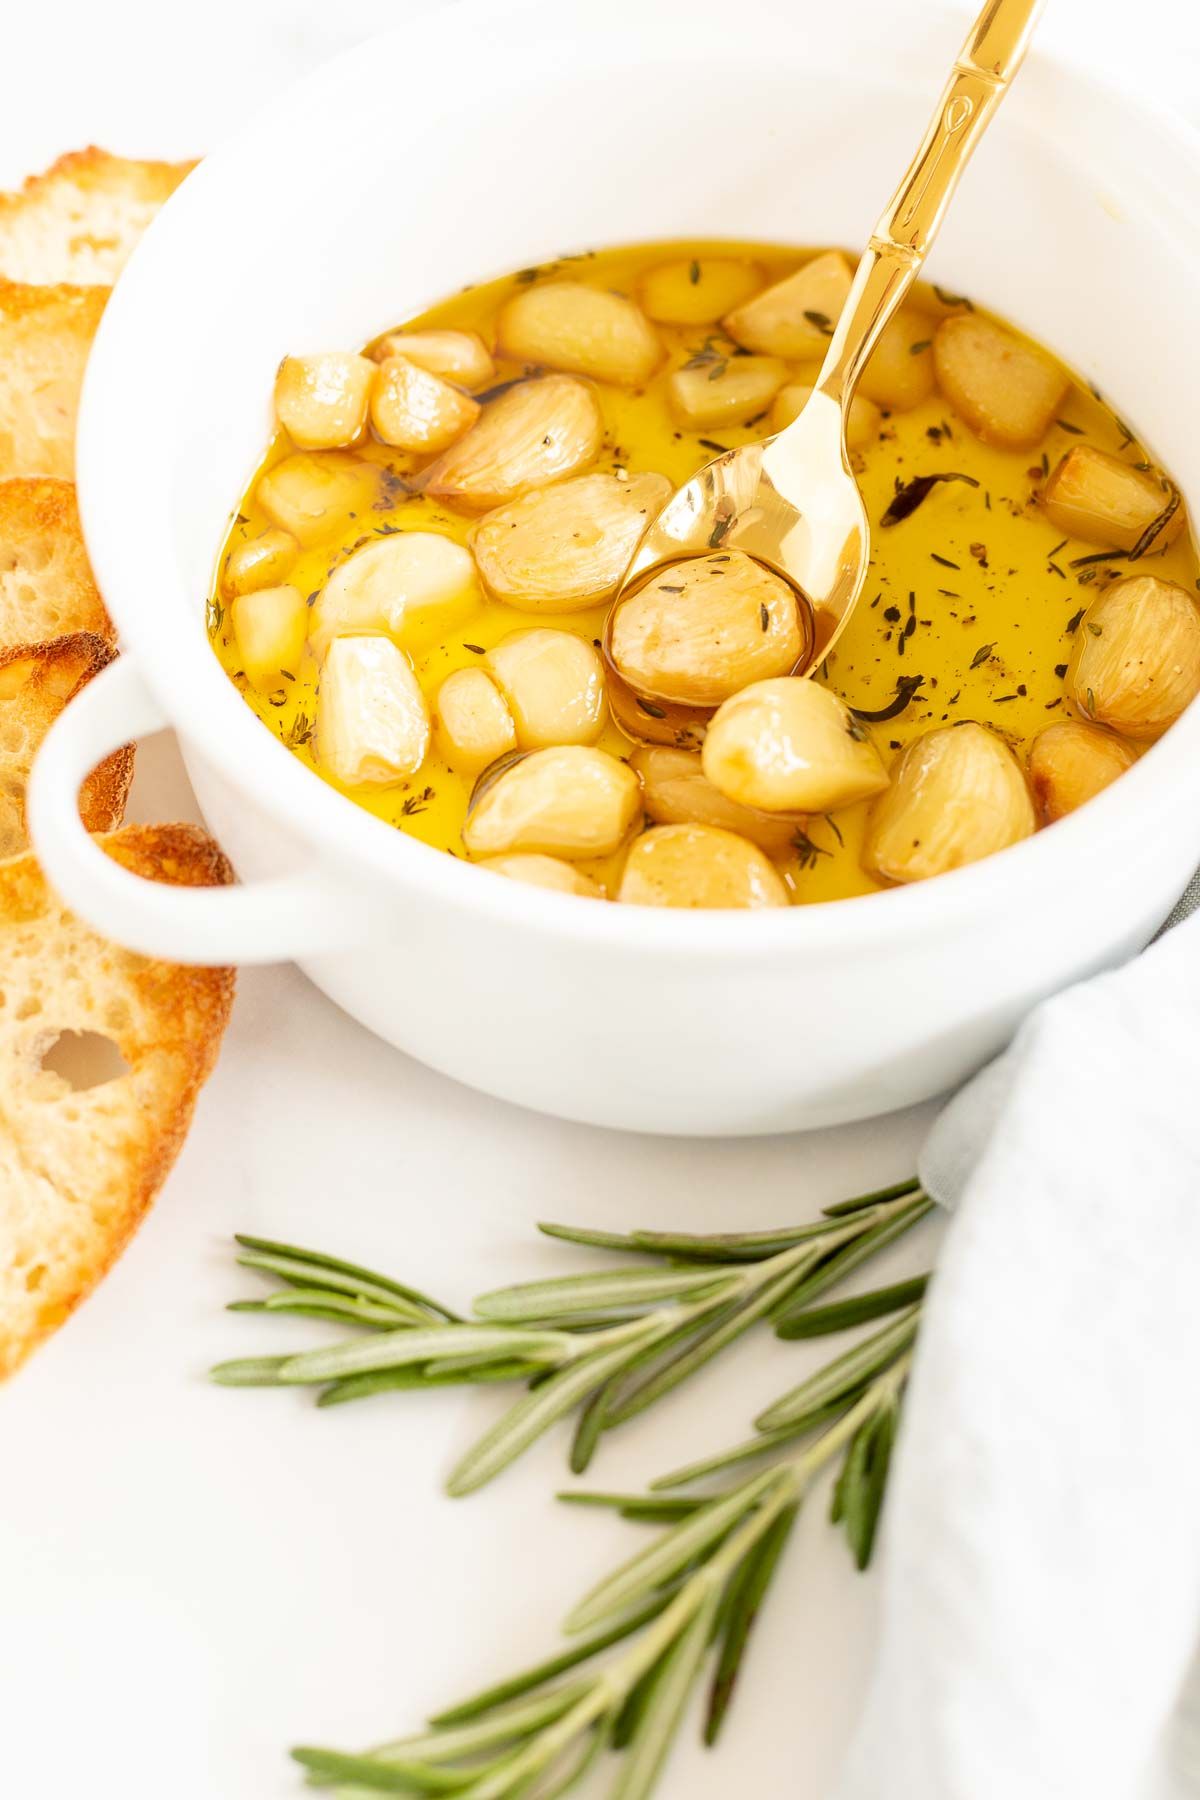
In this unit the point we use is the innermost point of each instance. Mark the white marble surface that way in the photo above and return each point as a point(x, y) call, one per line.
point(190, 1578)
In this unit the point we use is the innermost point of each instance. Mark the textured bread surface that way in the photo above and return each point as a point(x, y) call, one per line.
point(36, 682)
point(80, 220)
point(46, 585)
point(45, 336)
point(79, 1166)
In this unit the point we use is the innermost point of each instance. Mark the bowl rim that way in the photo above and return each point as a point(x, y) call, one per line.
point(215, 723)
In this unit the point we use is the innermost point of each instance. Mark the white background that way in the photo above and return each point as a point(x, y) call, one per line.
point(191, 1579)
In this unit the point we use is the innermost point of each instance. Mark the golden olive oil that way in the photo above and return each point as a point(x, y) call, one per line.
point(969, 609)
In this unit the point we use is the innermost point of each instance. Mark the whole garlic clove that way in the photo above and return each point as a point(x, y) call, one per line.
point(1103, 500)
point(676, 791)
point(321, 401)
point(704, 399)
point(545, 872)
point(372, 728)
point(269, 624)
point(1070, 763)
point(789, 746)
point(957, 795)
point(538, 432)
point(1007, 390)
point(581, 330)
point(459, 356)
point(898, 374)
point(1136, 662)
point(474, 726)
point(412, 409)
point(795, 317)
point(411, 584)
point(553, 682)
point(699, 866)
point(571, 801)
point(698, 290)
point(259, 562)
point(566, 547)
point(701, 629)
point(312, 492)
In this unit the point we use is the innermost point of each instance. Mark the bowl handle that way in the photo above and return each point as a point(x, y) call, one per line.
point(274, 920)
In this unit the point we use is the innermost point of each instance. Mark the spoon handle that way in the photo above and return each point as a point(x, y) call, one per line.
point(978, 82)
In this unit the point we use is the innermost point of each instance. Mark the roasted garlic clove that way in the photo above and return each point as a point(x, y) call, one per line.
point(795, 317)
point(676, 791)
point(414, 410)
point(567, 546)
point(789, 746)
point(1097, 497)
point(537, 432)
point(957, 795)
point(372, 728)
point(553, 682)
point(863, 421)
point(411, 584)
point(899, 371)
point(582, 330)
point(698, 866)
point(311, 493)
point(321, 401)
point(569, 801)
point(258, 562)
point(474, 726)
point(545, 872)
point(731, 393)
point(1136, 662)
point(270, 626)
point(698, 290)
point(701, 629)
point(459, 356)
point(1071, 762)
point(1007, 390)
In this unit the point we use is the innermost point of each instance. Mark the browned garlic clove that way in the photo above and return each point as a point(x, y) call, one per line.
point(789, 746)
point(701, 629)
point(699, 866)
point(957, 795)
point(1070, 763)
point(538, 432)
point(1136, 662)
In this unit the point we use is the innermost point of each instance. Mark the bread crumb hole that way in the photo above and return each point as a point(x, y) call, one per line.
point(34, 1277)
point(84, 1059)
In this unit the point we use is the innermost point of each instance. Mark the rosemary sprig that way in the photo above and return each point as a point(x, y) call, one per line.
point(600, 1347)
point(686, 1602)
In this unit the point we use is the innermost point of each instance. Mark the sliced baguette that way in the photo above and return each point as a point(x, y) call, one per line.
point(79, 1166)
point(45, 336)
point(80, 220)
point(36, 682)
point(46, 585)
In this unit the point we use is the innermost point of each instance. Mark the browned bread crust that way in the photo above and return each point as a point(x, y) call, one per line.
point(79, 1167)
point(80, 220)
point(36, 683)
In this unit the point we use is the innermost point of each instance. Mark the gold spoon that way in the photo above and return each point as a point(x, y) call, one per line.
point(792, 501)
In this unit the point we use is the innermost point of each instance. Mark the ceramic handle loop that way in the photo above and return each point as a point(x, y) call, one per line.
point(276, 920)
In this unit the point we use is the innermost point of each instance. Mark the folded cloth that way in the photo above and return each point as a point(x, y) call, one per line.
point(1041, 1549)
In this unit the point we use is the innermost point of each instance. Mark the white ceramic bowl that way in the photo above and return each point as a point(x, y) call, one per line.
point(478, 141)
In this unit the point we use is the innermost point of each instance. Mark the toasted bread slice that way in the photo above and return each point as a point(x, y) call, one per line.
point(36, 682)
point(80, 220)
point(79, 1164)
point(45, 336)
point(46, 585)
